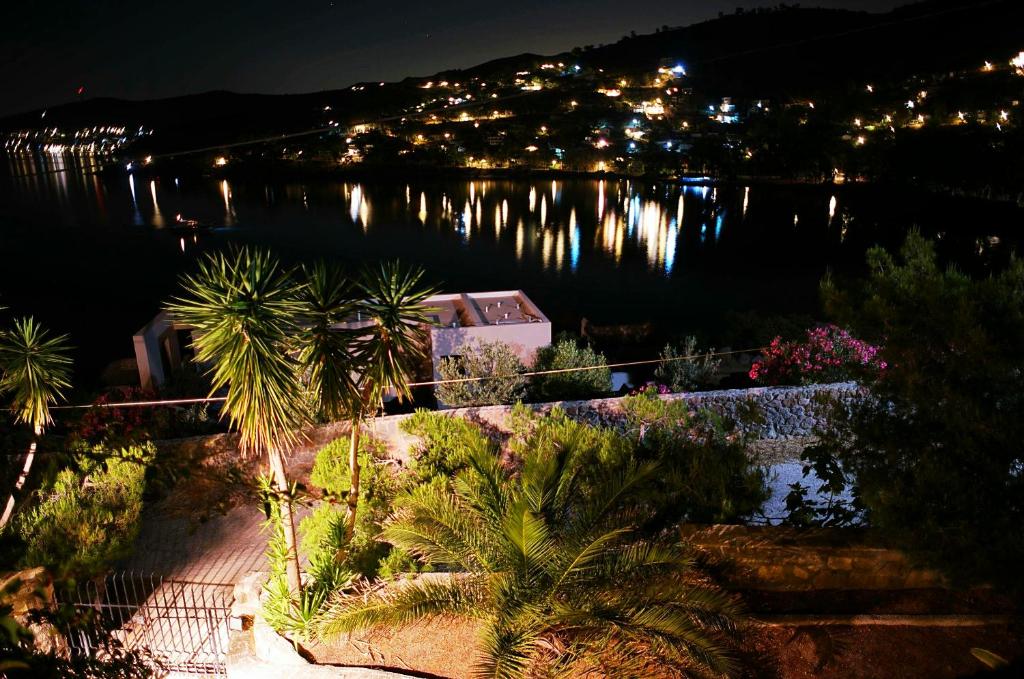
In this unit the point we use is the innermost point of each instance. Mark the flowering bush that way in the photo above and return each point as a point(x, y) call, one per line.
point(650, 388)
point(104, 423)
point(830, 354)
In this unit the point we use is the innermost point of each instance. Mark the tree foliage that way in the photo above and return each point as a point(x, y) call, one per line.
point(88, 517)
point(243, 307)
point(936, 457)
point(35, 370)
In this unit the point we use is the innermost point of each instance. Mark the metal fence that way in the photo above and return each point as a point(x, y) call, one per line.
point(181, 625)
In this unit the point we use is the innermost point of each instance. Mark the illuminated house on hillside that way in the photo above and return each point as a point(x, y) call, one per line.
point(459, 320)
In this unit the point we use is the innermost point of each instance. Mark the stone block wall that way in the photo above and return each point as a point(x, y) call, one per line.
point(790, 559)
point(787, 412)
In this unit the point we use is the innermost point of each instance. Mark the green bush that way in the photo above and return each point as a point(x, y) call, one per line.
point(935, 456)
point(88, 517)
point(445, 443)
point(323, 530)
point(687, 375)
point(564, 354)
point(708, 475)
point(482, 359)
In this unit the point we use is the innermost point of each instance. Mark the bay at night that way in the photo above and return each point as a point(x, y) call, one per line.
point(686, 258)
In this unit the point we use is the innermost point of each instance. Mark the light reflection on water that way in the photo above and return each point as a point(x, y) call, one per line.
point(560, 225)
point(615, 251)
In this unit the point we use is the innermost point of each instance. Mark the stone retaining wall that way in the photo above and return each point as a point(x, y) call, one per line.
point(791, 559)
point(787, 412)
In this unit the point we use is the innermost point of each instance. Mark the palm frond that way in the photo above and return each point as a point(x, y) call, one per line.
point(529, 539)
point(402, 604)
point(505, 650)
point(243, 309)
point(326, 352)
point(35, 369)
point(396, 343)
point(433, 525)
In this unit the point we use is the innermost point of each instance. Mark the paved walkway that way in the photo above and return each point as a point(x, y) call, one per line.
point(222, 550)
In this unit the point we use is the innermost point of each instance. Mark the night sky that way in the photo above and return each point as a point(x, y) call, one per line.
point(159, 48)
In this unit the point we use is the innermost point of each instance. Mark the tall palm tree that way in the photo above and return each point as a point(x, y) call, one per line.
point(243, 308)
point(552, 563)
point(389, 350)
point(35, 369)
point(327, 352)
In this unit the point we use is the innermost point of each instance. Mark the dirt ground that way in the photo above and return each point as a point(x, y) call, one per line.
point(874, 652)
point(444, 648)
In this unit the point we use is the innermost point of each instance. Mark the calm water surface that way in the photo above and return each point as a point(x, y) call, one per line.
point(96, 255)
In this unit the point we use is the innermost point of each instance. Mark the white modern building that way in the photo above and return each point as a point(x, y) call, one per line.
point(458, 320)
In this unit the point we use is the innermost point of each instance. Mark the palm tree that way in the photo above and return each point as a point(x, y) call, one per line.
point(243, 309)
point(389, 350)
point(326, 351)
point(35, 369)
point(552, 562)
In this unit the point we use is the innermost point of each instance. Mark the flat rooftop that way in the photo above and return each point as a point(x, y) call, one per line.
point(477, 309)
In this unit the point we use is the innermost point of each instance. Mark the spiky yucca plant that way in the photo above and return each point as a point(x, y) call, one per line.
point(389, 349)
point(327, 352)
point(243, 307)
point(35, 369)
point(550, 560)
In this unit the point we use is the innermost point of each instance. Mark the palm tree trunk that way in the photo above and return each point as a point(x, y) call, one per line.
point(22, 478)
point(287, 520)
point(353, 468)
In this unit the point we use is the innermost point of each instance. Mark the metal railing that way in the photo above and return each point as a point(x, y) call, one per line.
point(181, 625)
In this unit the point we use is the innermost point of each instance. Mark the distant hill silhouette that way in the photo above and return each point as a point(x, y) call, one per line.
point(785, 51)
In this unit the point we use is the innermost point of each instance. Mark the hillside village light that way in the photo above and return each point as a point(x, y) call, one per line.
point(220, 161)
point(871, 89)
point(988, 67)
point(1018, 63)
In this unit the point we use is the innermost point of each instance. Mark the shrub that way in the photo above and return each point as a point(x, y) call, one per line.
point(89, 516)
point(445, 443)
point(483, 359)
point(116, 427)
point(936, 455)
point(685, 375)
point(323, 531)
point(830, 354)
point(708, 475)
point(565, 354)
point(281, 609)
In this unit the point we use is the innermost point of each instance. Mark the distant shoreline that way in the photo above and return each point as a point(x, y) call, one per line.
point(395, 173)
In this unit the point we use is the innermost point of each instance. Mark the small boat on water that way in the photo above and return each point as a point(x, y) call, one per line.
point(187, 224)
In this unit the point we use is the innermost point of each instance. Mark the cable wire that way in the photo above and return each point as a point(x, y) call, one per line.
point(531, 373)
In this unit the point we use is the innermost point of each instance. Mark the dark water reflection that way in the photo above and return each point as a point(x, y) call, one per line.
point(96, 255)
